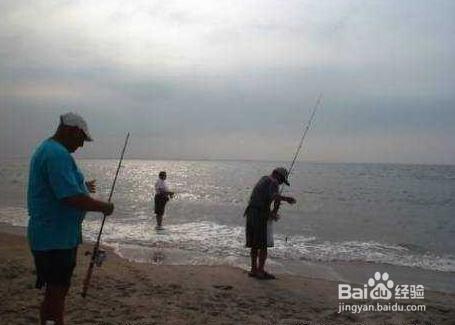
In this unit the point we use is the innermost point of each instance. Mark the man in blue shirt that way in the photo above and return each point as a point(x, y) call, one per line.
point(57, 199)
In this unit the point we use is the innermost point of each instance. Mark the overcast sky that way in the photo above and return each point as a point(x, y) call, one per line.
point(233, 79)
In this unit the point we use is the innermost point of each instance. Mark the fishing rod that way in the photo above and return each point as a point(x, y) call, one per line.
point(97, 255)
point(305, 131)
point(299, 147)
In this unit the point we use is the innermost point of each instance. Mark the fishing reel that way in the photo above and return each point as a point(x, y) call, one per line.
point(100, 257)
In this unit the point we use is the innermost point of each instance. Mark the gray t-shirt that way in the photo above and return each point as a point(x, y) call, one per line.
point(263, 192)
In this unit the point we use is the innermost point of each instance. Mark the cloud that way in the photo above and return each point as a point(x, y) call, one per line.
point(232, 79)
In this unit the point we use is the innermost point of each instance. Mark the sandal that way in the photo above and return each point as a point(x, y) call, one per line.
point(269, 276)
point(265, 276)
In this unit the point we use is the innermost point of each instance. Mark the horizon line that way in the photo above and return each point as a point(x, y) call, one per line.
point(250, 160)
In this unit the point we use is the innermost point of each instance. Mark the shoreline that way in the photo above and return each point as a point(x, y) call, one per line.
point(124, 292)
point(354, 272)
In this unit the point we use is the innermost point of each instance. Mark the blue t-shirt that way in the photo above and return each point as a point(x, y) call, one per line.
point(54, 176)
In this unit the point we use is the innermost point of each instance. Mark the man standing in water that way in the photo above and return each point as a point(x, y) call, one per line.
point(57, 199)
point(258, 214)
point(162, 195)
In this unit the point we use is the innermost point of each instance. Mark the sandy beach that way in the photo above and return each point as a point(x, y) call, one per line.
point(124, 292)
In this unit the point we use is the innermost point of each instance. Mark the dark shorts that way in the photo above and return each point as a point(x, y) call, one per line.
point(256, 228)
point(54, 267)
point(160, 203)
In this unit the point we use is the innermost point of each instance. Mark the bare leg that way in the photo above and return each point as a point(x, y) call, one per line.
point(53, 306)
point(254, 258)
point(262, 259)
point(43, 312)
point(159, 220)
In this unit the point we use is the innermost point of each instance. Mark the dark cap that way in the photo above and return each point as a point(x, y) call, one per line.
point(283, 173)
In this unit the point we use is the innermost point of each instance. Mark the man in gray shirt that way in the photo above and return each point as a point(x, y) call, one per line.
point(257, 215)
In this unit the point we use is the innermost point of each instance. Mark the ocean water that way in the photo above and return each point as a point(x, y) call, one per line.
point(372, 214)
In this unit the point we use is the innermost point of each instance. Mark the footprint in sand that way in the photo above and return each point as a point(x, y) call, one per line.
point(222, 287)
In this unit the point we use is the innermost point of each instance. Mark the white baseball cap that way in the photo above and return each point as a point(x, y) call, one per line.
point(73, 119)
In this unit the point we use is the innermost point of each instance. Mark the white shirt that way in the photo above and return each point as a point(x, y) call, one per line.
point(161, 186)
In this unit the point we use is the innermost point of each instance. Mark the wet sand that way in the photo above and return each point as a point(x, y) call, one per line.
point(124, 292)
